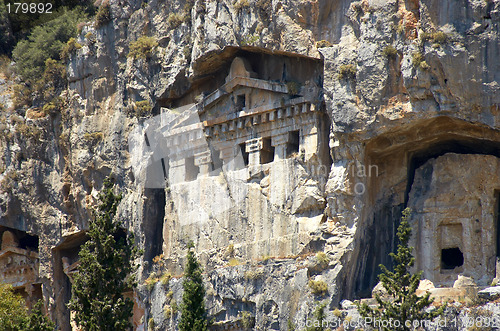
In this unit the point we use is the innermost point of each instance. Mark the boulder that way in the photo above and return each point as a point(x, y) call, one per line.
point(463, 281)
point(425, 285)
point(380, 290)
point(489, 293)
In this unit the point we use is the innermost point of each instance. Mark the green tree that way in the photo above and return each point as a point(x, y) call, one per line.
point(319, 315)
point(14, 314)
point(13, 311)
point(46, 42)
point(6, 35)
point(193, 314)
point(105, 270)
point(403, 306)
point(15, 26)
point(38, 321)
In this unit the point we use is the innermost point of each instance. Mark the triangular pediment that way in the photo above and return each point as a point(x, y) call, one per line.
point(242, 77)
point(244, 82)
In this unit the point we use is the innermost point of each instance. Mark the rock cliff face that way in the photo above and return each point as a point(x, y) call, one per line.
point(349, 112)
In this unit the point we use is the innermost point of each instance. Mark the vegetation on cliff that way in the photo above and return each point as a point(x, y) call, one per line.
point(14, 314)
point(142, 48)
point(37, 40)
point(193, 314)
point(44, 42)
point(16, 23)
point(105, 270)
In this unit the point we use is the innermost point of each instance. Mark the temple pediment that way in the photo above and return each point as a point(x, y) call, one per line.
point(239, 83)
point(248, 118)
point(19, 265)
point(243, 90)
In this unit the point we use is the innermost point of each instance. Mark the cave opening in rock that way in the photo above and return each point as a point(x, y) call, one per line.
point(154, 214)
point(412, 148)
point(451, 258)
point(211, 71)
point(18, 239)
point(267, 152)
point(29, 242)
point(292, 148)
point(192, 170)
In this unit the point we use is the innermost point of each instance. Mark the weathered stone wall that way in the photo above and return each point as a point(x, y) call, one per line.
point(454, 199)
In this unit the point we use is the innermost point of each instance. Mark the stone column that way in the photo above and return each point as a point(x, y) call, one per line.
point(253, 147)
point(203, 161)
point(29, 289)
point(279, 142)
point(310, 134)
point(228, 155)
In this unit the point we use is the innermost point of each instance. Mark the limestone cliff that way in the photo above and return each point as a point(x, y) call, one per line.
point(383, 105)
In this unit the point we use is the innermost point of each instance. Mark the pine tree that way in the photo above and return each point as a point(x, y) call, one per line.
point(319, 315)
point(13, 311)
point(403, 306)
point(105, 270)
point(193, 314)
point(38, 321)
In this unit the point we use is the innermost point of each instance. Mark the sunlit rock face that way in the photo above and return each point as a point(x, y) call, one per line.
point(295, 149)
point(456, 217)
point(248, 164)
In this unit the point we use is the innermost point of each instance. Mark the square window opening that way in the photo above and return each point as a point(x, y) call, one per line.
point(451, 258)
point(240, 102)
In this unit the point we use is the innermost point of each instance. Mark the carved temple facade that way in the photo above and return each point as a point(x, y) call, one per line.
point(19, 265)
point(247, 122)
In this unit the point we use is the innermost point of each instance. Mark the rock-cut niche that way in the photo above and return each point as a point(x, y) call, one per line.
point(456, 217)
point(259, 120)
point(447, 172)
point(19, 263)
